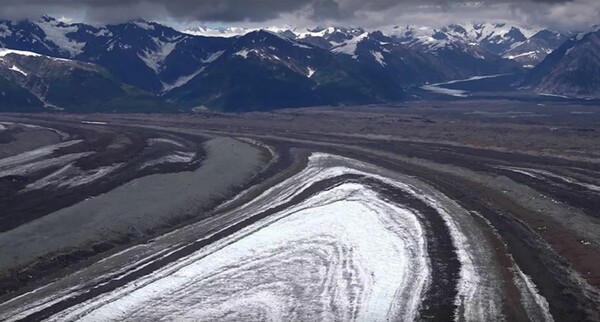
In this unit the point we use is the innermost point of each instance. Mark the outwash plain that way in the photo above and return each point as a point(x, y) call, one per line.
point(466, 210)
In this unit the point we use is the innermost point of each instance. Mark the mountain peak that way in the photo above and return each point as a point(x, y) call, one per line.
point(47, 18)
point(143, 24)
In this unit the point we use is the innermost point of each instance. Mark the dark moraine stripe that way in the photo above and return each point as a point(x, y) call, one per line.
point(571, 194)
point(549, 271)
point(438, 301)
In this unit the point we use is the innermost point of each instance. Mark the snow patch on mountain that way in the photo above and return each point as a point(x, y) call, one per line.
point(111, 45)
point(302, 45)
point(6, 51)
point(18, 70)
point(56, 32)
point(103, 32)
point(532, 54)
point(243, 53)
point(181, 81)
point(155, 58)
point(378, 57)
point(304, 33)
point(214, 56)
point(349, 47)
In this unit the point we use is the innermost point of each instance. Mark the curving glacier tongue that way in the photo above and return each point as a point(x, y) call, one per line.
point(341, 240)
point(343, 254)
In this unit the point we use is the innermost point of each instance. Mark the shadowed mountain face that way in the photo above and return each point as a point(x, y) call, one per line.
point(533, 51)
point(143, 65)
point(366, 70)
point(35, 81)
point(573, 69)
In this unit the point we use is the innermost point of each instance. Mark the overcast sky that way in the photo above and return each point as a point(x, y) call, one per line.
point(558, 14)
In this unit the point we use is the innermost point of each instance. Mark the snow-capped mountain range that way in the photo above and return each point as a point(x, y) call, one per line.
point(240, 69)
point(497, 38)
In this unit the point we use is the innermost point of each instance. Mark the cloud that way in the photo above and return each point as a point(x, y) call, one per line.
point(115, 10)
point(562, 14)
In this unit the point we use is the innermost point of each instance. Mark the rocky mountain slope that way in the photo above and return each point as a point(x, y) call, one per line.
point(31, 80)
point(243, 69)
point(571, 70)
point(533, 51)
